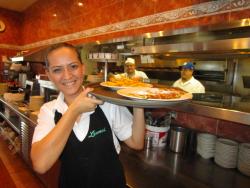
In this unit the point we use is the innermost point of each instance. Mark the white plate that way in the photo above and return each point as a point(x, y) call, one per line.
point(128, 92)
point(104, 84)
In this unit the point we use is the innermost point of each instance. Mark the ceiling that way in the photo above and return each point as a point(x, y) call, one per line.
point(16, 5)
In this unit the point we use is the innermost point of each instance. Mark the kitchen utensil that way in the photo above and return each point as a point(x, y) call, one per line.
point(177, 138)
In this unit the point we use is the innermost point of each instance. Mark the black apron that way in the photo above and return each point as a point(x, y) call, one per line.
point(94, 162)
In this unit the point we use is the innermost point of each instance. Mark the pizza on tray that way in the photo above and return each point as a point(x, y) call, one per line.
point(125, 82)
point(166, 94)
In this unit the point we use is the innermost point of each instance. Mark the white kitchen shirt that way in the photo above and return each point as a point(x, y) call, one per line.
point(137, 74)
point(191, 86)
point(119, 118)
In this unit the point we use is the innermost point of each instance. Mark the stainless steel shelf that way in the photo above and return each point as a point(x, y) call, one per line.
point(208, 109)
point(11, 121)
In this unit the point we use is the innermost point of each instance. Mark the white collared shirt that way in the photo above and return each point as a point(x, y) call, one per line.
point(137, 74)
point(119, 118)
point(191, 86)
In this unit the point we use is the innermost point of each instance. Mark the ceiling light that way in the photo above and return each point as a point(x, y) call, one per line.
point(80, 4)
point(160, 33)
point(55, 15)
point(148, 35)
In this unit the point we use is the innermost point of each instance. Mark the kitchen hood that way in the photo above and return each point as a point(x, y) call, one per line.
point(222, 40)
point(238, 46)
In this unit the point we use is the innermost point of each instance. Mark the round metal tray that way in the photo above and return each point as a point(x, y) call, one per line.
point(108, 95)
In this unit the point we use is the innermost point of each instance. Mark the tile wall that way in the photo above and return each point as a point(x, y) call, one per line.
point(221, 128)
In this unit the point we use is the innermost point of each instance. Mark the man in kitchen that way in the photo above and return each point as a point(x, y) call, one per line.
point(187, 82)
point(131, 72)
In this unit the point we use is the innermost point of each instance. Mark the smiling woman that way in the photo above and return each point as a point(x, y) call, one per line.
point(81, 129)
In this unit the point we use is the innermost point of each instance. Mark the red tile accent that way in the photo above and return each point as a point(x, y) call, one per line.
point(163, 5)
point(181, 118)
point(234, 131)
point(138, 8)
point(240, 15)
point(199, 123)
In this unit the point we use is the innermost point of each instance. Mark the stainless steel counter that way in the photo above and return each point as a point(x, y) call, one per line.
point(218, 106)
point(154, 168)
point(162, 168)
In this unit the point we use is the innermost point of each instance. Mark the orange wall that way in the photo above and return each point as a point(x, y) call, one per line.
point(13, 23)
point(71, 18)
point(11, 35)
point(39, 23)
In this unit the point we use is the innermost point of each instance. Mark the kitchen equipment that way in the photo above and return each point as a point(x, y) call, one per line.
point(22, 79)
point(177, 138)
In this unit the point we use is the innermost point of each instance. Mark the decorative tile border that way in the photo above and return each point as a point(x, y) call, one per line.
point(186, 13)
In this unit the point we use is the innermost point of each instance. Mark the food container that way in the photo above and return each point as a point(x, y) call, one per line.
point(177, 139)
point(158, 134)
point(22, 79)
point(13, 97)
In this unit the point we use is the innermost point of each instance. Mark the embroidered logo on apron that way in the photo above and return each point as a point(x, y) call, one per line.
point(94, 133)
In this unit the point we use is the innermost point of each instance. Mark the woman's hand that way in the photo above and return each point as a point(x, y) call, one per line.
point(85, 102)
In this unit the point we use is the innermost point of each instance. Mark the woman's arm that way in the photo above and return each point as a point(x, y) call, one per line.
point(45, 152)
point(136, 141)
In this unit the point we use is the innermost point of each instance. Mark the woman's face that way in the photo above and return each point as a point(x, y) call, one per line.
point(66, 71)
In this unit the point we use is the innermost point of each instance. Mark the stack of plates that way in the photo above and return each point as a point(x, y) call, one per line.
point(226, 153)
point(206, 145)
point(244, 159)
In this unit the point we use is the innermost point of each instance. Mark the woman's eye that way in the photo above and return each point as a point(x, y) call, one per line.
point(74, 67)
point(56, 71)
